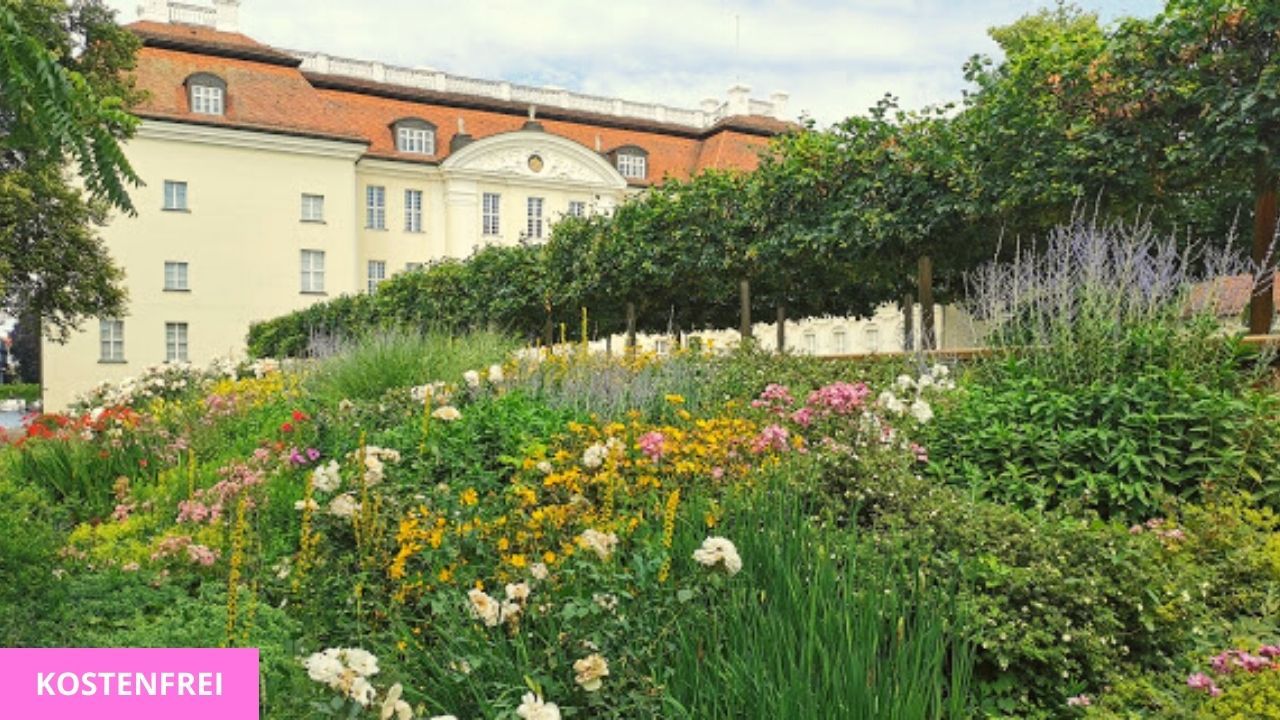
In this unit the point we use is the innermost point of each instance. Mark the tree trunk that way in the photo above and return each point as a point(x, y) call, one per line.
point(549, 332)
point(1262, 306)
point(908, 323)
point(744, 313)
point(924, 281)
point(631, 327)
point(782, 328)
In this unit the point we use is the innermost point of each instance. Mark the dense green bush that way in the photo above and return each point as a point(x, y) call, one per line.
point(1123, 446)
point(1062, 605)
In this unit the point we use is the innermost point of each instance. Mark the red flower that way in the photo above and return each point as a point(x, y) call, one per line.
point(287, 427)
point(299, 416)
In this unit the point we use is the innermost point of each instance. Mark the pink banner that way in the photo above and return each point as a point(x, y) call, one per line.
point(129, 683)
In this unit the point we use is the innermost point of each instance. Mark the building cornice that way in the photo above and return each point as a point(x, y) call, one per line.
point(251, 138)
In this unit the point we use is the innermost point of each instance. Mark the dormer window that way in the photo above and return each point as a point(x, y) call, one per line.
point(207, 94)
point(416, 137)
point(632, 162)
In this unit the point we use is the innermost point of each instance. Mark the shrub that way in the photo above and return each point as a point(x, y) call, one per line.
point(1122, 446)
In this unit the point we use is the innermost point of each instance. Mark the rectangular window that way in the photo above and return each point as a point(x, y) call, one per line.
point(377, 273)
point(175, 276)
point(632, 166)
point(873, 338)
point(175, 195)
point(312, 208)
point(413, 210)
point(838, 342)
point(533, 228)
point(811, 343)
point(312, 271)
point(175, 342)
point(111, 339)
point(375, 216)
point(489, 214)
point(577, 208)
point(206, 99)
point(419, 141)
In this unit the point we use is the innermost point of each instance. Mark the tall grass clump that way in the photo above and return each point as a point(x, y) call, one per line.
point(819, 625)
point(1121, 389)
point(366, 367)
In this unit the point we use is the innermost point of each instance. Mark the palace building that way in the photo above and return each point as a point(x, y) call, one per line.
point(277, 178)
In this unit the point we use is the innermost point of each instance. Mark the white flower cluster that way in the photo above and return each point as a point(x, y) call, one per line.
point(374, 462)
point(446, 413)
point(533, 707)
point(437, 391)
point(596, 455)
point(590, 672)
point(908, 395)
point(167, 380)
point(346, 670)
point(393, 705)
point(602, 544)
point(492, 613)
point(718, 551)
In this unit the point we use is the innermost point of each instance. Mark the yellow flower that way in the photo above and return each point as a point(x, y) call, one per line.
point(469, 497)
point(445, 575)
point(675, 399)
point(517, 561)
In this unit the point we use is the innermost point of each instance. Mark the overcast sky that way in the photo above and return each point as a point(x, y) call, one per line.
point(834, 58)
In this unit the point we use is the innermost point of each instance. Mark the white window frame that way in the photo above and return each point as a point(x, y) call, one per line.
point(491, 214)
point(375, 215)
point(413, 211)
point(312, 207)
point(207, 99)
point(872, 336)
point(176, 342)
point(577, 208)
point(840, 341)
point(175, 195)
point(633, 165)
point(811, 343)
point(312, 264)
point(416, 140)
point(533, 222)
point(111, 340)
point(377, 274)
point(176, 276)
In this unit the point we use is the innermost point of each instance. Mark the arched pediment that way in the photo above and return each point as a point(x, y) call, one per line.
point(534, 156)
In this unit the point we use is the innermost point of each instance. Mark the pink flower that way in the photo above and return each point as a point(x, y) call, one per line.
point(1079, 701)
point(922, 455)
point(1269, 651)
point(840, 398)
point(1200, 681)
point(775, 398)
point(652, 444)
point(773, 437)
point(802, 417)
point(1252, 663)
point(717, 473)
point(202, 555)
point(1135, 530)
point(122, 511)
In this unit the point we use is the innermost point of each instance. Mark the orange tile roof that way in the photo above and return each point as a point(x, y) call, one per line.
point(266, 91)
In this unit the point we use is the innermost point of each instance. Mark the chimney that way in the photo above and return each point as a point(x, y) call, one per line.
point(779, 101)
point(154, 11)
point(226, 15)
point(460, 139)
point(739, 100)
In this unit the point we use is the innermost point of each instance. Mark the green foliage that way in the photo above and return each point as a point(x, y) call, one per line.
point(860, 632)
point(1122, 446)
point(20, 391)
point(385, 360)
point(1249, 697)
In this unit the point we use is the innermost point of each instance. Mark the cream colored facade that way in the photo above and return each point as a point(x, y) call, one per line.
point(242, 233)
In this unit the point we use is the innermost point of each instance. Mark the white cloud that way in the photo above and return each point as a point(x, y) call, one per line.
point(834, 58)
